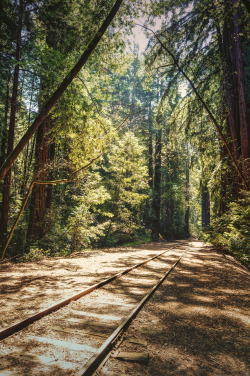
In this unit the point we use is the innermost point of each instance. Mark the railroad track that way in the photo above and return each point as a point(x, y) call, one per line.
point(74, 336)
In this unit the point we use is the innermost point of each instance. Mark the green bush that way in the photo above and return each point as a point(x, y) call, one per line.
point(231, 231)
point(34, 254)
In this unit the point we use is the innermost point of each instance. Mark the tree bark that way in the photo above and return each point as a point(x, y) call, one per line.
point(41, 197)
point(150, 148)
point(235, 92)
point(51, 158)
point(156, 202)
point(12, 124)
point(38, 197)
point(234, 161)
point(60, 90)
point(5, 125)
point(205, 206)
point(156, 206)
point(187, 196)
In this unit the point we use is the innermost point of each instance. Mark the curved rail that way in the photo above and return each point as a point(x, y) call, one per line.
point(4, 333)
point(92, 365)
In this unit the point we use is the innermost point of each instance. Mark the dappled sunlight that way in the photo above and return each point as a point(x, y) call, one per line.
point(196, 244)
point(197, 316)
point(198, 321)
point(60, 278)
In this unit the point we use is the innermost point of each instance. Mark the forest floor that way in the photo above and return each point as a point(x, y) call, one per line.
point(197, 323)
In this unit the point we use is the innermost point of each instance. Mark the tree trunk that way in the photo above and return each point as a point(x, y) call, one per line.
point(38, 197)
point(49, 188)
point(156, 206)
point(11, 132)
point(150, 148)
point(58, 93)
point(205, 206)
point(187, 209)
point(234, 161)
point(27, 160)
point(41, 198)
point(4, 210)
point(235, 91)
point(5, 125)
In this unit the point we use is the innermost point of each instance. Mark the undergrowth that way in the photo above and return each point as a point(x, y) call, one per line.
point(231, 231)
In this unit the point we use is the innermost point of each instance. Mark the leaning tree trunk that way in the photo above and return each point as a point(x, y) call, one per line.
point(58, 93)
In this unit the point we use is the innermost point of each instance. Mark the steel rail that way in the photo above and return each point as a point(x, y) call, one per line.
point(94, 362)
point(4, 333)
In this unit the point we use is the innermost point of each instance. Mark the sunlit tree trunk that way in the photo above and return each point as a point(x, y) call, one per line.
point(29, 152)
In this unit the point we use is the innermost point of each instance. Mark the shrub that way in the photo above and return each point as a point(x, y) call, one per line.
point(231, 231)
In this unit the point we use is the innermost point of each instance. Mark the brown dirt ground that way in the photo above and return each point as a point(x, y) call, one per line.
point(198, 322)
point(26, 288)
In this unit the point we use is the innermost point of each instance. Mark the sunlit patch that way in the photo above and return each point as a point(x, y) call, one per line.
point(6, 373)
point(183, 284)
point(239, 316)
point(203, 298)
point(97, 315)
point(196, 244)
point(65, 344)
point(38, 359)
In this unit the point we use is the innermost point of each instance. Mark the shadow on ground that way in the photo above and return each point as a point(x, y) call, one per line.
point(198, 323)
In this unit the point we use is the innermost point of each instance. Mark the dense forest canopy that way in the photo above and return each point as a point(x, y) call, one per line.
point(105, 142)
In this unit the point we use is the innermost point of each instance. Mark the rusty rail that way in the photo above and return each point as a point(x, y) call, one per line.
point(4, 333)
point(92, 365)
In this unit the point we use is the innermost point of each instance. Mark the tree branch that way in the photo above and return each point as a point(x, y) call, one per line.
point(51, 182)
point(60, 90)
point(210, 114)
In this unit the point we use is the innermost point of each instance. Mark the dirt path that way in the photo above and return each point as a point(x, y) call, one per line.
point(198, 323)
point(26, 288)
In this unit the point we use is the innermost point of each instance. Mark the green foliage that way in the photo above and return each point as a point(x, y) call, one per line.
point(126, 180)
point(34, 254)
point(116, 201)
point(141, 240)
point(231, 231)
point(88, 221)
